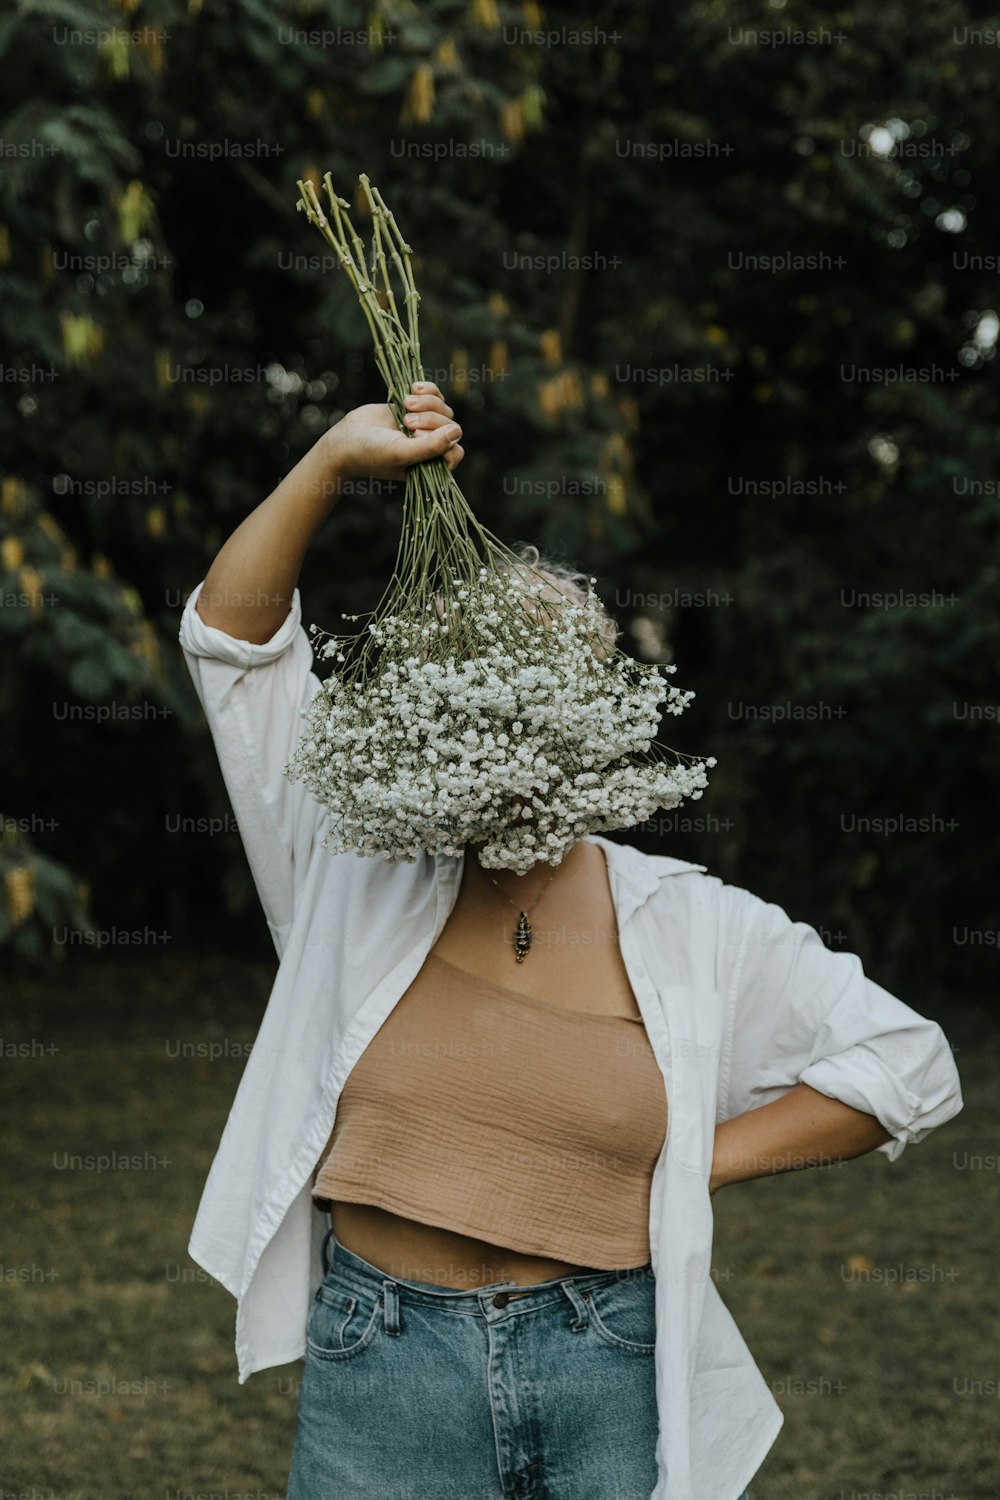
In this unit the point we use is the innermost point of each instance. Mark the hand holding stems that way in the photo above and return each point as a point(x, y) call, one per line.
point(444, 552)
point(368, 442)
point(248, 589)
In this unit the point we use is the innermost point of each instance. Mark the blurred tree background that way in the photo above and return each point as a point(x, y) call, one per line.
point(749, 451)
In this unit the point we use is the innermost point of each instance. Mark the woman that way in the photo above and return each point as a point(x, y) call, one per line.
point(471, 1185)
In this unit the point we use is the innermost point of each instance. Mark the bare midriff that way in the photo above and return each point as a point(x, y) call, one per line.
point(422, 1252)
point(574, 960)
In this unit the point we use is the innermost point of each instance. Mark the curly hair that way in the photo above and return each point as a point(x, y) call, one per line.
point(571, 584)
point(568, 582)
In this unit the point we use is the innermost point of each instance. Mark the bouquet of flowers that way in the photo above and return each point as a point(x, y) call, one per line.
point(480, 703)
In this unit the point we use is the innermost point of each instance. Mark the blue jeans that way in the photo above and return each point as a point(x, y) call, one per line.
point(414, 1391)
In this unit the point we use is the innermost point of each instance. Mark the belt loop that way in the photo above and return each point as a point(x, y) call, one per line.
point(390, 1303)
point(582, 1310)
point(326, 1241)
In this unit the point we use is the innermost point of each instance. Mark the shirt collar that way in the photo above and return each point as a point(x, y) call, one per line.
point(634, 875)
point(638, 873)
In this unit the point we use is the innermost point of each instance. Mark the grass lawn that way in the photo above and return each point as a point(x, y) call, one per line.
point(868, 1293)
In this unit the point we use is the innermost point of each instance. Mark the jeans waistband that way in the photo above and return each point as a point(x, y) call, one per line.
point(353, 1268)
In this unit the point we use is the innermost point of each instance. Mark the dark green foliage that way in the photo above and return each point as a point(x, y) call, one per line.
point(632, 417)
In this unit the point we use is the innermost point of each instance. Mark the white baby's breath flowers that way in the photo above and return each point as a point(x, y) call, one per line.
point(483, 702)
point(527, 736)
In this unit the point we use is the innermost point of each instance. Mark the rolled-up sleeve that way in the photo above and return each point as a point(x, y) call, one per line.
point(253, 695)
point(801, 1013)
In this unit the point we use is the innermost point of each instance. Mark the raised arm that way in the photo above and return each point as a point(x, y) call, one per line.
point(249, 657)
point(248, 590)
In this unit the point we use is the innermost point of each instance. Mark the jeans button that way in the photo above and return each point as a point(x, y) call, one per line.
point(501, 1299)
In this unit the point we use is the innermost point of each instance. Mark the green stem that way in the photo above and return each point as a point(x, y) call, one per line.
point(441, 539)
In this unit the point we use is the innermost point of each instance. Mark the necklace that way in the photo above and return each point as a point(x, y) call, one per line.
point(522, 932)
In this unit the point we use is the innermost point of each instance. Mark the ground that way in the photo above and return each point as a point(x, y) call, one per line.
point(867, 1292)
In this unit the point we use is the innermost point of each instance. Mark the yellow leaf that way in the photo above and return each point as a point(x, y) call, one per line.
point(50, 526)
point(629, 408)
point(860, 1263)
point(617, 500)
point(498, 304)
point(31, 584)
point(512, 120)
point(11, 553)
point(151, 43)
point(572, 392)
point(19, 885)
point(533, 18)
point(446, 56)
point(135, 211)
point(714, 334)
point(419, 104)
point(100, 566)
point(550, 345)
point(547, 401)
point(156, 521)
point(11, 495)
point(484, 13)
point(498, 357)
point(532, 102)
point(558, 394)
point(83, 339)
point(147, 646)
point(459, 371)
point(114, 52)
point(4, 244)
point(315, 103)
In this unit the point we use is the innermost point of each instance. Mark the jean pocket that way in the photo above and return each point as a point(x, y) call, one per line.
point(623, 1313)
point(341, 1324)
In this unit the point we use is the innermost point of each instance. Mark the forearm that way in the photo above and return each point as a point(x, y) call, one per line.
point(248, 589)
point(801, 1129)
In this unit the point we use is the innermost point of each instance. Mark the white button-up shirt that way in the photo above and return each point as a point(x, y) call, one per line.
point(739, 1002)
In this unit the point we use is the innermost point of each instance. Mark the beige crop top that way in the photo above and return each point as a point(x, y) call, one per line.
point(513, 1120)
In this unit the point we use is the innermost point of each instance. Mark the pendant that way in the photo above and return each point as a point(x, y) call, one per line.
point(522, 937)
